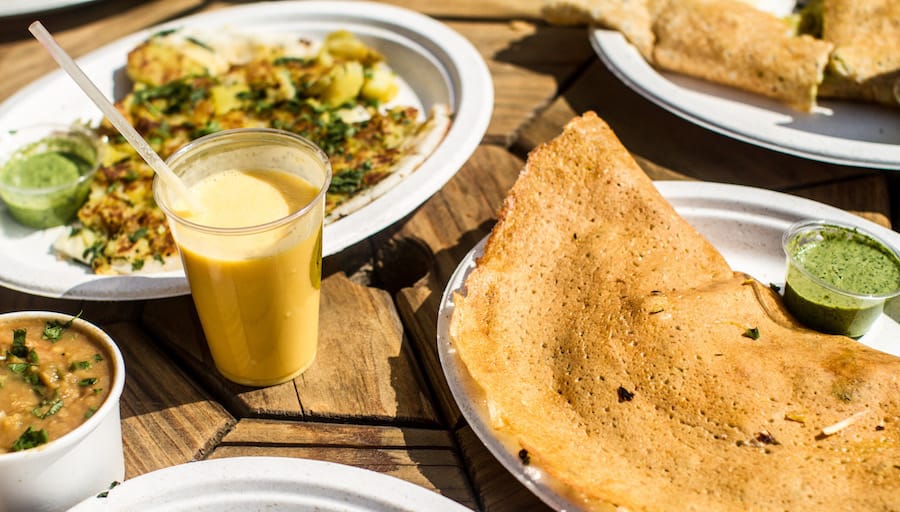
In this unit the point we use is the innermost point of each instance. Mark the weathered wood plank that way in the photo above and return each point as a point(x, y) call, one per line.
point(527, 68)
point(166, 419)
point(450, 224)
point(421, 456)
point(666, 140)
point(497, 489)
point(364, 367)
point(78, 31)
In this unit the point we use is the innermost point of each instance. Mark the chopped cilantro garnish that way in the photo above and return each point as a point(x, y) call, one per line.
point(19, 368)
point(90, 412)
point(105, 493)
point(752, 333)
point(30, 438)
point(90, 381)
point(164, 33)
point(80, 365)
point(47, 408)
point(18, 348)
point(53, 330)
point(199, 43)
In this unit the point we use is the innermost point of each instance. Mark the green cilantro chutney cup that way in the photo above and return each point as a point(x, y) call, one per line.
point(839, 276)
point(46, 172)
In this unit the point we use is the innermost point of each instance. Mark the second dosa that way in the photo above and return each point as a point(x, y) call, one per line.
point(618, 348)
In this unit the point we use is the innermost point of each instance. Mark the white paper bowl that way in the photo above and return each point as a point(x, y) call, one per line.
point(59, 474)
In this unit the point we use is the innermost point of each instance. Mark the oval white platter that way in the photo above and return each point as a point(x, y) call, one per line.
point(279, 484)
point(435, 65)
point(841, 132)
point(745, 224)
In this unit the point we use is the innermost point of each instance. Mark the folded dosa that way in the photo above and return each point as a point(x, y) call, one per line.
point(732, 43)
point(618, 348)
point(865, 63)
point(630, 17)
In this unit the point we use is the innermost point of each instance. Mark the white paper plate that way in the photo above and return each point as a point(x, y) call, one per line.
point(22, 7)
point(745, 224)
point(841, 132)
point(276, 484)
point(435, 64)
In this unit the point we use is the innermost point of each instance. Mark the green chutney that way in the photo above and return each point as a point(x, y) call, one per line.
point(42, 184)
point(835, 260)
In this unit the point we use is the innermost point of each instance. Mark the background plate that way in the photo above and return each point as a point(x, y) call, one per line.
point(268, 483)
point(840, 132)
point(435, 64)
point(22, 7)
point(745, 224)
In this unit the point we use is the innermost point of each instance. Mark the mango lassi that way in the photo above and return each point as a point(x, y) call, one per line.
point(252, 252)
point(260, 306)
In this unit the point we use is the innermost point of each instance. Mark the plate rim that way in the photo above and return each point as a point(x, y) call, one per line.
point(624, 61)
point(466, 76)
point(455, 373)
point(327, 475)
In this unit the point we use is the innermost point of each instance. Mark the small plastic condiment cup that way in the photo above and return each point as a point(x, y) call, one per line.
point(822, 303)
point(81, 463)
point(45, 207)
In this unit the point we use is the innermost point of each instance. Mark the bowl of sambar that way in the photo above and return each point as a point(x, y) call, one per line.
point(61, 378)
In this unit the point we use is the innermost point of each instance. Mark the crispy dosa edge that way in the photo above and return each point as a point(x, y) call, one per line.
point(630, 17)
point(592, 288)
point(732, 43)
point(865, 63)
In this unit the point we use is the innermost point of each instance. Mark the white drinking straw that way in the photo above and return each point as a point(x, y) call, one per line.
point(156, 163)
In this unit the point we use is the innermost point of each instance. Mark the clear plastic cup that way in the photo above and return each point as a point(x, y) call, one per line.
point(838, 276)
point(255, 283)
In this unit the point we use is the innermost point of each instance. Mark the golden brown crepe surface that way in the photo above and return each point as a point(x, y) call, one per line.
point(865, 63)
point(630, 17)
point(732, 43)
point(609, 339)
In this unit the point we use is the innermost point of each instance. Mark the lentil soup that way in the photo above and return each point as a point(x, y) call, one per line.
point(53, 376)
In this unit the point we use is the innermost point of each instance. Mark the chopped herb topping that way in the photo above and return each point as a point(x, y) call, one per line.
point(80, 365)
point(752, 333)
point(30, 439)
point(137, 234)
point(53, 330)
point(105, 493)
point(18, 348)
point(47, 408)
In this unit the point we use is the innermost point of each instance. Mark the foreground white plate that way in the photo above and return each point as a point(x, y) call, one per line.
point(268, 483)
point(745, 224)
point(841, 132)
point(436, 65)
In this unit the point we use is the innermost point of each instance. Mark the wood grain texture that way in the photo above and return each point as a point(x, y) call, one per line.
point(450, 232)
point(666, 140)
point(497, 489)
point(422, 456)
point(79, 31)
point(166, 418)
point(527, 67)
point(363, 368)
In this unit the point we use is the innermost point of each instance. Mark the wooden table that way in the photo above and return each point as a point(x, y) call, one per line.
point(376, 397)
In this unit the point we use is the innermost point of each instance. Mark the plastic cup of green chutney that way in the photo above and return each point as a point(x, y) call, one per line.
point(46, 172)
point(839, 276)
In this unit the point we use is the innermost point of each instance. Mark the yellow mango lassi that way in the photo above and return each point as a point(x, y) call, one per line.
point(252, 252)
